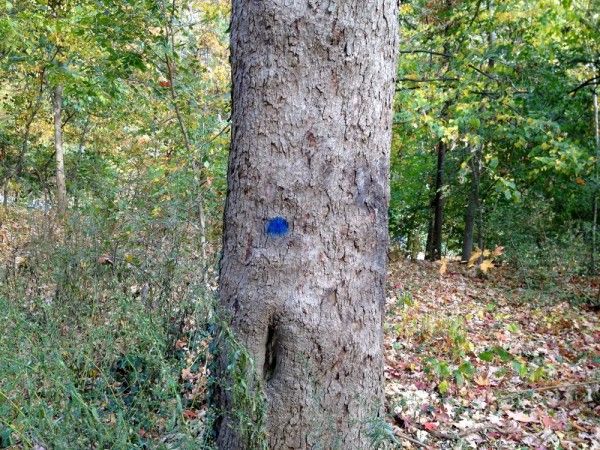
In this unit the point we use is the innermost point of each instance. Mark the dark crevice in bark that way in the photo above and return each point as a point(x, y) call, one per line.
point(270, 354)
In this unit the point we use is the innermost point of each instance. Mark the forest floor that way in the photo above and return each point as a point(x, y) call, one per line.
point(494, 362)
point(508, 359)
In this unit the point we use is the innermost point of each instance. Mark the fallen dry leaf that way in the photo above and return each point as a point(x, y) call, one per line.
point(430, 426)
point(481, 380)
point(190, 414)
point(521, 417)
point(106, 260)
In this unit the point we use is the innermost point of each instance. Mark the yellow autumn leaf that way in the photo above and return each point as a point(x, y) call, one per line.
point(486, 265)
point(443, 266)
point(474, 257)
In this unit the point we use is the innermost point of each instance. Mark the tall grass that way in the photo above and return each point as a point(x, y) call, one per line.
point(104, 327)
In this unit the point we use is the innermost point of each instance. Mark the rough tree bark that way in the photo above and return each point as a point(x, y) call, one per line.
point(304, 259)
point(61, 187)
point(595, 200)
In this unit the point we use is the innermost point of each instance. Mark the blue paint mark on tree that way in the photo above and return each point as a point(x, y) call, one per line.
point(277, 226)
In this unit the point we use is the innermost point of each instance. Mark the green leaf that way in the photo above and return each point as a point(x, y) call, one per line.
point(504, 355)
point(5, 437)
point(519, 368)
point(443, 387)
point(458, 376)
point(467, 369)
point(487, 355)
point(513, 328)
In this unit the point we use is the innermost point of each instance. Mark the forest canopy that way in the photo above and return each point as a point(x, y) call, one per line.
point(506, 90)
point(503, 89)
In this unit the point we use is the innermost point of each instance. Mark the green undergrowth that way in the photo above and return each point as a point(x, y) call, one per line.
point(104, 329)
point(114, 383)
point(95, 385)
point(106, 324)
point(240, 383)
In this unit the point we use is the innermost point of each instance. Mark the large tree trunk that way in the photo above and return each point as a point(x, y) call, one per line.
point(61, 187)
point(435, 250)
point(304, 258)
point(473, 205)
point(595, 199)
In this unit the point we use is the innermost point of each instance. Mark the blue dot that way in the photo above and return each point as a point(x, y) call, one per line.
point(277, 226)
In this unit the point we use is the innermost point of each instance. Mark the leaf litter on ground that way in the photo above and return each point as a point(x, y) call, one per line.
point(471, 364)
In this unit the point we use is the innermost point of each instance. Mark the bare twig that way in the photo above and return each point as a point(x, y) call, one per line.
point(404, 436)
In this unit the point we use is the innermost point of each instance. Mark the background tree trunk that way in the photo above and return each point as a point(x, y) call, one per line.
point(5, 194)
point(473, 205)
point(429, 242)
point(438, 205)
point(596, 180)
point(61, 187)
point(304, 259)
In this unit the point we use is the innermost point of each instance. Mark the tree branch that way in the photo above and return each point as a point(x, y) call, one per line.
point(485, 74)
point(591, 81)
point(427, 80)
point(429, 52)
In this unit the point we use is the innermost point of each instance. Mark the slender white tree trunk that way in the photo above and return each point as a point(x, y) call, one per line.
point(304, 260)
point(61, 187)
point(169, 34)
